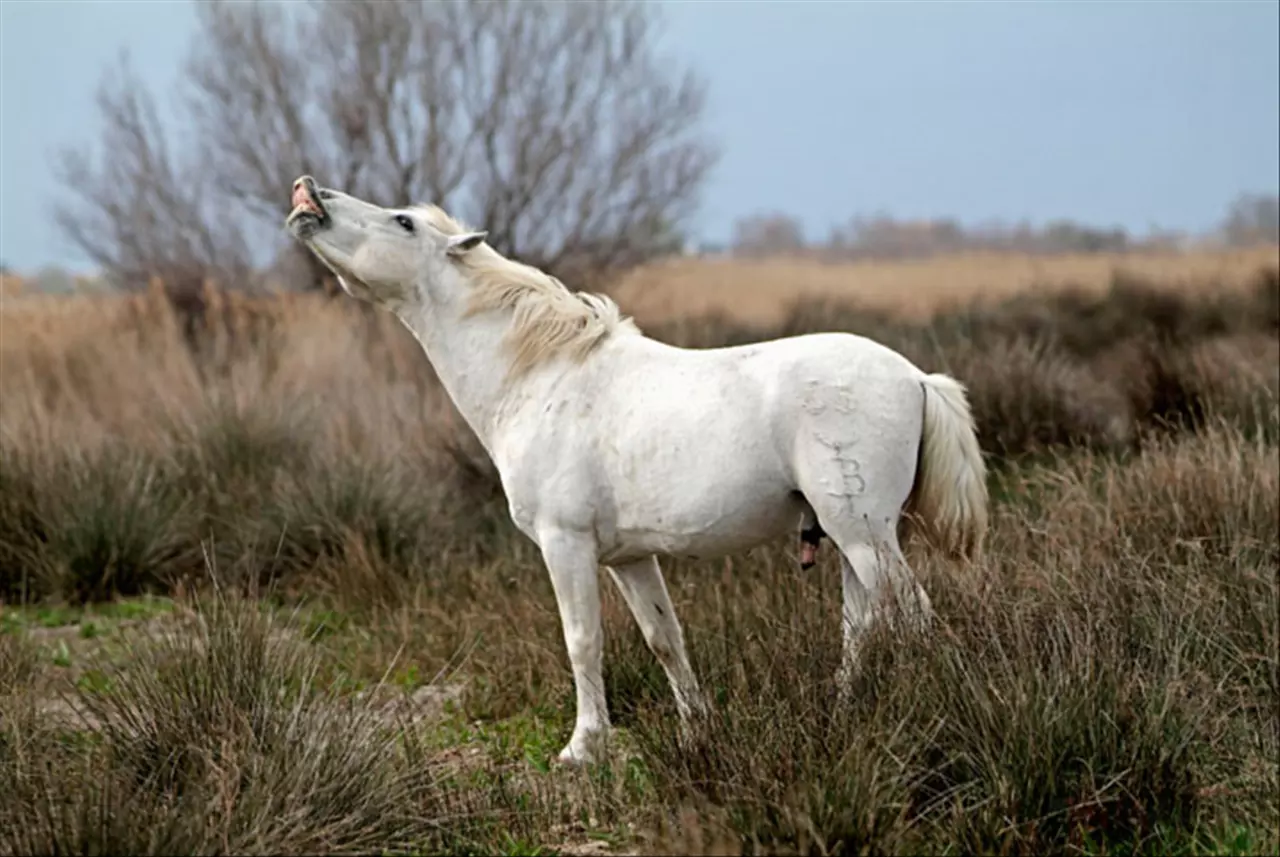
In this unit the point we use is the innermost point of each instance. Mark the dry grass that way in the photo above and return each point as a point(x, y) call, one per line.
point(762, 292)
point(292, 477)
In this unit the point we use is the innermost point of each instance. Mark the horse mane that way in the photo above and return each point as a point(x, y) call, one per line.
point(549, 319)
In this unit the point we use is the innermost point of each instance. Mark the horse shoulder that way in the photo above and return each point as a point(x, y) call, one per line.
point(545, 456)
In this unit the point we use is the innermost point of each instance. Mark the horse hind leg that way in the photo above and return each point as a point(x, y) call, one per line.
point(858, 508)
point(877, 584)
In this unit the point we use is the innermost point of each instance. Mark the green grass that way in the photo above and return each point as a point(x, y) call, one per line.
point(94, 616)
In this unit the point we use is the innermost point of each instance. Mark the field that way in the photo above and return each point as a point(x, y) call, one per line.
point(760, 292)
point(260, 593)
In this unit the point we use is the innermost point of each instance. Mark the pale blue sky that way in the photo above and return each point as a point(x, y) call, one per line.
point(1127, 113)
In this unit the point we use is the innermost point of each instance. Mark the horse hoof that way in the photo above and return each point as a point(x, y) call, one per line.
point(577, 757)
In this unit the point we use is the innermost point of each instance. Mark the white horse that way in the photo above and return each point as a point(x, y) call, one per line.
point(614, 448)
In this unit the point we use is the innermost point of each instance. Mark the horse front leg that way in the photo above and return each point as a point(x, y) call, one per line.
point(571, 560)
point(646, 594)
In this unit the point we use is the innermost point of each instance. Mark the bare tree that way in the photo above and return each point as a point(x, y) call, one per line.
point(556, 126)
point(134, 211)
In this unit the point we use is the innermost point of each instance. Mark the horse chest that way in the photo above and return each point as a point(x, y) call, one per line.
point(545, 487)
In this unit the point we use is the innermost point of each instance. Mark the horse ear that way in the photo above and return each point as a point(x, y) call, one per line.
point(459, 244)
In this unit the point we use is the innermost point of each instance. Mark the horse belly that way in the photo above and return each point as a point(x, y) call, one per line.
point(702, 521)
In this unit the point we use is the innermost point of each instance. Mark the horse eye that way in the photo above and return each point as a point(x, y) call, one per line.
point(405, 221)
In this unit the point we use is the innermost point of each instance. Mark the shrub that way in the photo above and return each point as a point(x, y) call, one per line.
point(218, 737)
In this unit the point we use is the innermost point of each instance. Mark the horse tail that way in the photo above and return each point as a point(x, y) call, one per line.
point(950, 491)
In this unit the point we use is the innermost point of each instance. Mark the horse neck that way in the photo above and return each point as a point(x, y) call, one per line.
point(468, 357)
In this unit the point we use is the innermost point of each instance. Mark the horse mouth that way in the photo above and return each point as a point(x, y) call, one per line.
point(308, 215)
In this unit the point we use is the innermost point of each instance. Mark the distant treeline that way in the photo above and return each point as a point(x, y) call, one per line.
point(1251, 220)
